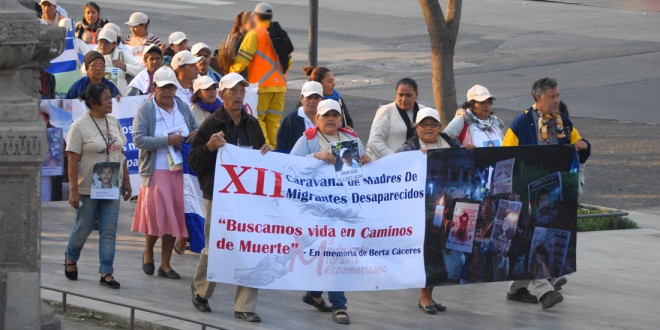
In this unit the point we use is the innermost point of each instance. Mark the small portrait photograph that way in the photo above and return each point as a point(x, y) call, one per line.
point(106, 175)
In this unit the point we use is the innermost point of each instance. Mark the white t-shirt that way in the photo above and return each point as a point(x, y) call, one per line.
point(183, 93)
point(164, 121)
point(308, 122)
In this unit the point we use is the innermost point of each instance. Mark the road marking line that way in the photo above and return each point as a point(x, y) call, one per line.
point(208, 2)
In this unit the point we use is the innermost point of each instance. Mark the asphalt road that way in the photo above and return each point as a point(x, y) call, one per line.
point(604, 53)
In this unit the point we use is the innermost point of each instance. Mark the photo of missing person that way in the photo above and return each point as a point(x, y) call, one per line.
point(461, 234)
point(105, 180)
point(544, 195)
point(54, 159)
point(347, 164)
point(548, 252)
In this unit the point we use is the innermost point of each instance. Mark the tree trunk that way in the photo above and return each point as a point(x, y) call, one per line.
point(443, 33)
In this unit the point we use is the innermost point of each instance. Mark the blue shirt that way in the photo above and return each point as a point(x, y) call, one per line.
point(80, 86)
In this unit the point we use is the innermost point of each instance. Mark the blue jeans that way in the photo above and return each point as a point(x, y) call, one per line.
point(108, 212)
point(337, 298)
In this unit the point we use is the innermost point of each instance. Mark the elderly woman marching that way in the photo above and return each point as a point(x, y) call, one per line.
point(428, 137)
point(161, 124)
point(477, 126)
point(316, 142)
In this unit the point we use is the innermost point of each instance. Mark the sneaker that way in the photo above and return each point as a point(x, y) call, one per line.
point(522, 295)
point(200, 303)
point(559, 282)
point(551, 298)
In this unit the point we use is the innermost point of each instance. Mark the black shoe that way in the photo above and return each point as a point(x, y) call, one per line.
point(320, 306)
point(112, 284)
point(559, 282)
point(72, 275)
point(440, 308)
point(551, 298)
point(430, 309)
point(200, 303)
point(247, 316)
point(148, 268)
point(522, 295)
point(171, 274)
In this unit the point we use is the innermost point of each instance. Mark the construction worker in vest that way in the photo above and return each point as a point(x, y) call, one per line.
point(259, 57)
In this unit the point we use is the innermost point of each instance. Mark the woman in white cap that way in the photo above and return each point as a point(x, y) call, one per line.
point(205, 100)
point(140, 35)
point(316, 142)
point(117, 58)
point(49, 12)
point(161, 122)
point(295, 123)
point(143, 83)
point(477, 126)
point(203, 50)
point(428, 137)
point(392, 125)
point(87, 29)
point(177, 41)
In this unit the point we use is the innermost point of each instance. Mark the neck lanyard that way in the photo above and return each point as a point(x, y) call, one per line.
point(326, 139)
point(107, 130)
point(163, 118)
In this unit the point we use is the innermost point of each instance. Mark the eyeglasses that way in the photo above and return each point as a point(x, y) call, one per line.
point(429, 125)
point(235, 91)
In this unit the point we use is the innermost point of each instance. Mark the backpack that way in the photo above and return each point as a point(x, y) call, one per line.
point(281, 43)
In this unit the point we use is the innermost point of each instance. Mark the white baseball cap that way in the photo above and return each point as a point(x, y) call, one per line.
point(108, 34)
point(177, 37)
point(328, 105)
point(311, 87)
point(164, 76)
point(199, 46)
point(184, 57)
point(479, 93)
point(52, 2)
point(427, 113)
point(263, 8)
point(151, 49)
point(203, 82)
point(231, 79)
point(137, 18)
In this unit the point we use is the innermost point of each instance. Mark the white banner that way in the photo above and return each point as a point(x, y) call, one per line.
point(285, 222)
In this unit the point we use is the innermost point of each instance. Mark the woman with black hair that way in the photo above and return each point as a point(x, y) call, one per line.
point(325, 77)
point(95, 138)
point(87, 29)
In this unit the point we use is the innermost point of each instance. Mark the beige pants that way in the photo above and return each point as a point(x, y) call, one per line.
point(537, 287)
point(245, 299)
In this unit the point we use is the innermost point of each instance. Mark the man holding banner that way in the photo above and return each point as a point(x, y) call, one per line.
point(231, 124)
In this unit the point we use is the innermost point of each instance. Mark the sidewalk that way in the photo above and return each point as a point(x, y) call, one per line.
point(616, 287)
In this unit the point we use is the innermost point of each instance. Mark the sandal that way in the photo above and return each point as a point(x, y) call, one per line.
point(320, 306)
point(341, 317)
point(181, 245)
point(112, 284)
point(440, 308)
point(70, 274)
point(430, 309)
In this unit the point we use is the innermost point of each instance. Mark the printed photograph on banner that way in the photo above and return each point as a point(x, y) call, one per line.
point(54, 159)
point(175, 151)
point(105, 180)
point(544, 195)
point(503, 177)
point(347, 164)
point(476, 263)
point(112, 74)
point(504, 228)
point(491, 143)
point(548, 252)
point(59, 113)
point(463, 226)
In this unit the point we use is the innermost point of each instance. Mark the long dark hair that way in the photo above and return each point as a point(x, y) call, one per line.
point(92, 94)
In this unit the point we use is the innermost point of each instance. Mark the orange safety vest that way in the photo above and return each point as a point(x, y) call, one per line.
point(265, 67)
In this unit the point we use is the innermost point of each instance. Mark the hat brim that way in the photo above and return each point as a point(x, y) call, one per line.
point(309, 93)
point(132, 24)
point(205, 86)
point(484, 98)
point(232, 85)
point(327, 111)
point(178, 41)
point(164, 83)
point(422, 119)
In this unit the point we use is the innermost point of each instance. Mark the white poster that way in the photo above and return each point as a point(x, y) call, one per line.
point(285, 222)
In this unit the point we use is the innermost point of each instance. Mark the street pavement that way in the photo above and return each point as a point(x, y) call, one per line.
point(616, 287)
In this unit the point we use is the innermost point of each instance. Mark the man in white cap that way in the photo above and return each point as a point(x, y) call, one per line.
point(230, 125)
point(259, 56)
point(183, 63)
point(117, 58)
point(140, 35)
point(49, 12)
point(202, 50)
point(178, 41)
point(296, 122)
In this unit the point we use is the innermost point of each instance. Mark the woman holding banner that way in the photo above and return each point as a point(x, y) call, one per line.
point(428, 137)
point(316, 142)
point(95, 140)
point(161, 124)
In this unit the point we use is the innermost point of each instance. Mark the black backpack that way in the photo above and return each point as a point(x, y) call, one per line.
point(281, 43)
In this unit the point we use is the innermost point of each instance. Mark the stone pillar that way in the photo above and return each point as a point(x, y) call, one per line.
point(24, 46)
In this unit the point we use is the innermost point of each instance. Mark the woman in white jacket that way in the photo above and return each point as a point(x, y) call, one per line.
point(392, 125)
point(117, 58)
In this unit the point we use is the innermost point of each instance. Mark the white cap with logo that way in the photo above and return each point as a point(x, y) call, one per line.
point(183, 57)
point(479, 93)
point(164, 76)
point(311, 87)
point(427, 113)
point(177, 37)
point(231, 79)
point(328, 105)
point(137, 18)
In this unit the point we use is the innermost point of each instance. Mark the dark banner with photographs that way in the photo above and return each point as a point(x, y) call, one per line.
point(499, 214)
